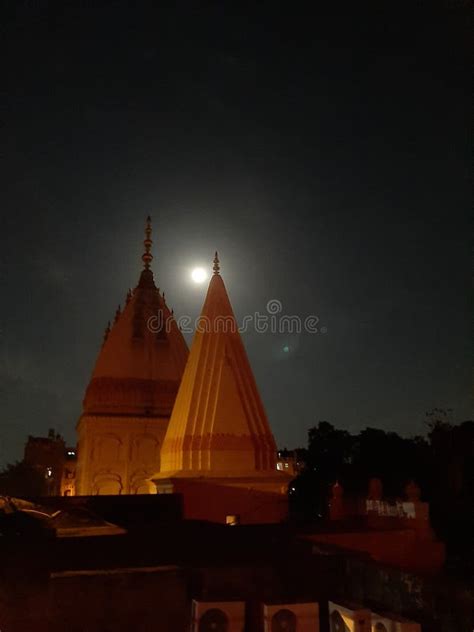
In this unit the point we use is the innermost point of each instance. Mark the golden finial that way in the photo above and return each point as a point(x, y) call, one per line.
point(216, 267)
point(147, 257)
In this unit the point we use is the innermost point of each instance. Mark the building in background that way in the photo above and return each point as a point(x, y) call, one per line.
point(55, 461)
point(291, 461)
point(68, 481)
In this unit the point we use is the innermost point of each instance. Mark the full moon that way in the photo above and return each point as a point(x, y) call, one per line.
point(199, 275)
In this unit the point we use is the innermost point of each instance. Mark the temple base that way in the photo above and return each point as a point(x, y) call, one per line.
point(230, 500)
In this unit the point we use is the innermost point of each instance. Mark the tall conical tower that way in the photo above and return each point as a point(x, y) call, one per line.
point(129, 399)
point(219, 450)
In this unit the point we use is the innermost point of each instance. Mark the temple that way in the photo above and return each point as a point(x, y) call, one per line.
point(129, 399)
point(174, 449)
point(219, 451)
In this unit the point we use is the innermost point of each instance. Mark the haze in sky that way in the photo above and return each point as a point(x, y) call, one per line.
point(325, 157)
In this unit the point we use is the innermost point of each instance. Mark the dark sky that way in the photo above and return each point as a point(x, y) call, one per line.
point(325, 155)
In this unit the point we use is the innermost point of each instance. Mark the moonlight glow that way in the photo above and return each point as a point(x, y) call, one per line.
point(199, 275)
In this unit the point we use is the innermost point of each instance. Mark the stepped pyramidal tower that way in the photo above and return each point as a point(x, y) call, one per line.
point(130, 397)
point(219, 451)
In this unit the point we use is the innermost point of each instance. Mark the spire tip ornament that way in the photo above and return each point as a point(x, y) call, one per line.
point(147, 257)
point(216, 267)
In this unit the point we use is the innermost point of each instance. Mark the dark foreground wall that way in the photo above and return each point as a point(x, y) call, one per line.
point(145, 580)
point(158, 599)
point(111, 601)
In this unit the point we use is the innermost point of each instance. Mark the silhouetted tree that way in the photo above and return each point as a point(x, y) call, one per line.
point(442, 464)
point(327, 457)
point(452, 447)
point(393, 459)
point(329, 450)
point(20, 480)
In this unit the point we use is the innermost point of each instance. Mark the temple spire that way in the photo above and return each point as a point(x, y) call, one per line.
point(216, 267)
point(218, 422)
point(147, 257)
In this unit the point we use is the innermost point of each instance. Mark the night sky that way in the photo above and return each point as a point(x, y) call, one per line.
point(325, 156)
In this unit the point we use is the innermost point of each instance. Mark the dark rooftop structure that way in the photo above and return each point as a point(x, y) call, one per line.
point(135, 563)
